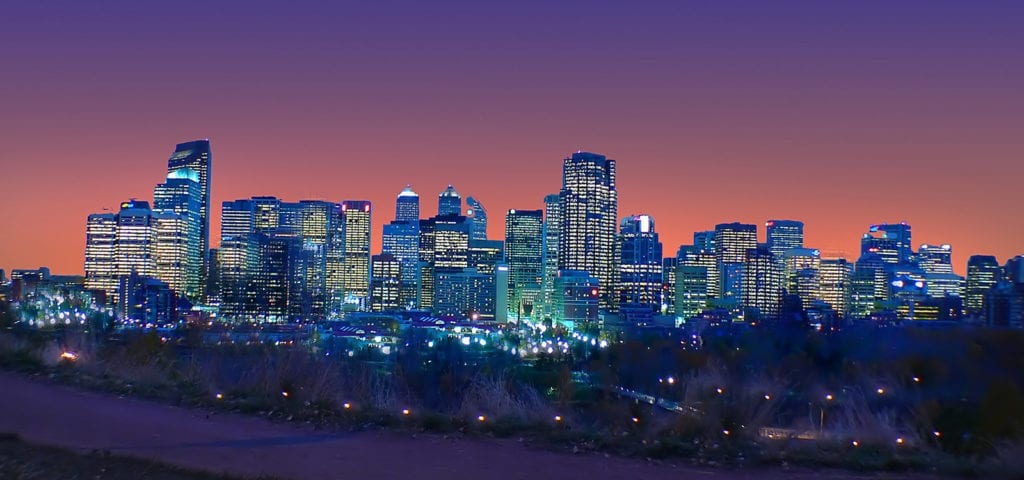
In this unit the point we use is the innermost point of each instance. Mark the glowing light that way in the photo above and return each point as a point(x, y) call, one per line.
point(406, 412)
point(465, 341)
point(558, 418)
point(636, 420)
point(220, 396)
point(855, 443)
point(829, 397)
point(347, 406)
point(69, 356)
point(917, 380)
point(899, 440)
point(767, 397)
point(881, 391)
point(937, 434)
point(284, 394)
point(481, 418)
point(725, 432)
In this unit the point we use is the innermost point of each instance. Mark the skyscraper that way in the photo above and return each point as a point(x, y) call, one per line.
point(552, 227)
point(356, 216)
point(401, 240)
point(407, 206)
point(761, 282)
point(732, 242)
point(386, 283)
point(983, 273)
point(524, 253)
point(135, 237)
point(784, 235)
point(177, 209)
point(640, 262)
point(101, 254)
point(449, 202)
point(835, 283)
point(443, 247)
point(935, 258)
point(477, 216)
point(589, 210)
point(891, 241)
point(197, 156)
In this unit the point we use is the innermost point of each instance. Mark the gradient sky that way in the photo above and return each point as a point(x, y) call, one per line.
point(841, 114)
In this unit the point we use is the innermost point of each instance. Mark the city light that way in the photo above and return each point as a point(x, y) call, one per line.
point(69, 356)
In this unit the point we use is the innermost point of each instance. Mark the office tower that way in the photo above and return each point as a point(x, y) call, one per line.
point(696, 256)
point(692, 292)
point(197, 156)
point(101, 254)
point(869, 285)
point(589, 210)
point(835, 280)
point(239, 259)
point(640, 262)
point(135, 239)
point(524, 253)
point(733, 241)
point(145, 301)
point(443, 246)
point(892, 242)
point(552, 227)
point(668, 285)
point(476, 214)
point(464, 293)
point(1004, 304)
point(273, 277)
point(1014, 270)
point(237, 218)
point(935, 258)
point(213, 289)
point(485, 255)
point(784, 235)
point(577, 298)
point(179, 258)
point(407, 206)
point(449, 202)
point(401, 240)
point(386, 283)
point(983, 272)
point(266, 214)
point(356, 216)
point(315, 223)
point(801, 273)
point(762, 285)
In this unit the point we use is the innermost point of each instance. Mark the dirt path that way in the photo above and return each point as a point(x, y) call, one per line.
point(61, 416)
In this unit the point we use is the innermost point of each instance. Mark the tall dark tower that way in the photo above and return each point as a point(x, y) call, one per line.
point(196, 156)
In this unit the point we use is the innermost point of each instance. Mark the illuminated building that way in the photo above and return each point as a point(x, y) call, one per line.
point(577, 298)
point(784, 235)
point(801, 273)
point(524, 253)
point(197, 156)
point(476, 215)
point(464, 292)
point(589, 211)
point(732, 242)
point(449, 202)
point(177, 218)
point(892, 242)
point(386, 283)
point(135, 240)
point(145, 301)
point(835, 280)
point(935, 258)
point(691, 290)
point(640, 262)
point(762, 285)
point(443, 246)
point(401, 240)
point(407, 206)
point(101, 253)
point(485, 255)
point(696, 256)
point(868, 285)
point(983, 273)
point(356, 215)
point(552, 227)
point(668, 285)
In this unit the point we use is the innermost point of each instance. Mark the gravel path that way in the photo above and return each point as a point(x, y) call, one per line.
point(58, 415)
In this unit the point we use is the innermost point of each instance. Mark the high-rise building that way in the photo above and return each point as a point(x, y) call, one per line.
point(640, 262)
point(135, 238)
point(101, 254)
point(891, 241)
point(443, 247)
point(356, 215)
point(177, 210)
point(524, 253)
point(696, 256)
point(668, 285)
point(692, 292)
point(935, 258)
point(407, 206)
point(197, 156)
point(589, 210)
point(801, 273)
point(761, 280)
point(386, 283)
point(983, 273)
point(449, 202)
point(401, 240)
point(784, 235)
point(835, 283)
point(704, 241)
point(552, 227)
point(476, 214)
point(733, 240)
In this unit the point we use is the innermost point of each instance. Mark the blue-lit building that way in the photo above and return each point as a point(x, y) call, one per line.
point(407, 205)
point(589, 213)
point(477, 217)
point(449, 202)
point(198, 157)
point(640, 263)
point(577, 298)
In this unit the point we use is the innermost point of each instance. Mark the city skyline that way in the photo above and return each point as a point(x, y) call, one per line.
point(878, 121)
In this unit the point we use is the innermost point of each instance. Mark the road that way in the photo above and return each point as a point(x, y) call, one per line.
point(49, 414)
